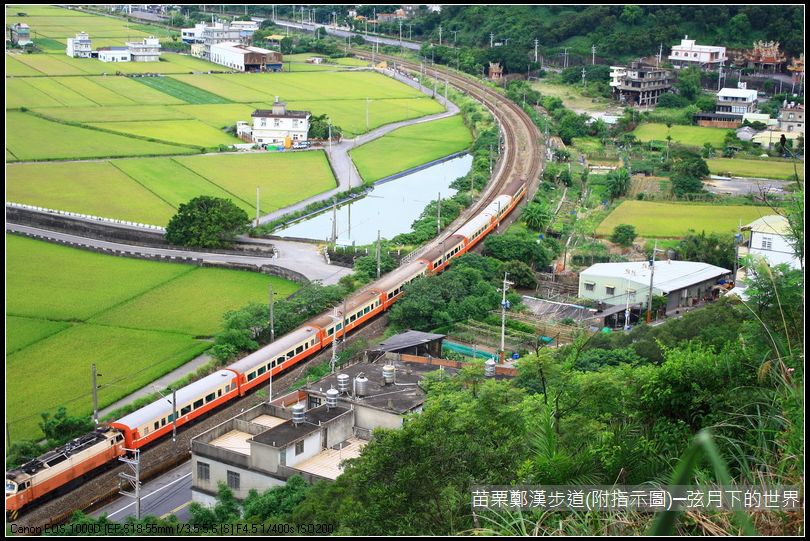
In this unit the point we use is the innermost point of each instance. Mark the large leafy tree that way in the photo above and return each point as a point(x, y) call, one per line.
point(618, 183)
point(713, 249)
point(207, 222)
point(688, 84)
point(537, 216)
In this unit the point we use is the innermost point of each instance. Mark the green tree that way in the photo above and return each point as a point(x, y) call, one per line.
point(207, 222)
point(519, 273)
point(537, 216)
point(367, 265)
point(713, 249)
point(688, 84)
point(631, 15)
point(623, 235)
point(686, 184)
point(62, 427)
point(618, 183)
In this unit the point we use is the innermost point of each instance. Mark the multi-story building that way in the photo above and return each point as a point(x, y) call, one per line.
point(770, 239)
point(219, 33)
point(246, 28)
point(193, 35)
point(688, 53)
point(639, 84)
point(147, 50)
point(245, 58)
point(20, 34)
point(79, 47)
point(736, 101)
point(275, 126)
point(791, 117)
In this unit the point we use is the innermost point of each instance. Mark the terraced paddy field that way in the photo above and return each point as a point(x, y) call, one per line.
point(150, 190)
point(774, 169)
point(410, 146)
point(136, 320)
point(674, 220)
point(695, 136)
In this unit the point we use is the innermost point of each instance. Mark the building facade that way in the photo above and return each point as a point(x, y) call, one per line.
point(639, 84)
point(689, 53)
point(147, 50)
point(683, 283)
point(769, 239)
point(20, 34)
point(791, 117)
point(193, 35)
point(219, 33)
point(114, 54)
point(79, 47)
point(275, 126)
point(245, 58)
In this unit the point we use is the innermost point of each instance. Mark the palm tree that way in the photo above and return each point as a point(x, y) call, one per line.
point(537, 216)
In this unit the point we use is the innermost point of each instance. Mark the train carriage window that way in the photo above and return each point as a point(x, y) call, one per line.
point(339, 326)
point(390, 295)
point(262, 370)
point(210, 397)
point(157, 425)
point(269, 366)
point(251, 376)
point(351, 319)
point(228, 388)
point(330, 332)
point(299, 349)
point(280, 360)
point(367, 309)
point(163, 422)
point(290, 354)
point(198, 403)
point(186, 410)
point(170, 418)
point(219, 392)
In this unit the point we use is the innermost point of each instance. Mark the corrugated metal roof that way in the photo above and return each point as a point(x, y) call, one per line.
point(773, 223)
point(408, 339)
point(163, 407)
point(669, 275)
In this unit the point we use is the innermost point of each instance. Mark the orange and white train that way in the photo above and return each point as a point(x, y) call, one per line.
point(57, 468)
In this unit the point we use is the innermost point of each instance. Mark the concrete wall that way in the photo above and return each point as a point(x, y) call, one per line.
point(780, 250)
point(370, 418)
point(218, 473)
point(312, 446)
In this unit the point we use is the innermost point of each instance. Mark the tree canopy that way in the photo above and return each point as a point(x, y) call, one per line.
point(207, 222)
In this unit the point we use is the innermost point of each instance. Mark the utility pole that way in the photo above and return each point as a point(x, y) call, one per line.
point(504, 305)
point(133, 478)
point(330, 136)
point(378, 254)
point(455, 32)
point(400, 34)
point(272, 319)
point(737, 239)
point(720, 78)
point(652, 274)
point(410, 32)
point(334, 220)
point(490, 160)
point(334, 342)
point(439, 215)
point(660, 54)
point(583, 77)
point(440, 34)
point(536, 41)
point(491, 39)
point(95, 394)
point(257, 206)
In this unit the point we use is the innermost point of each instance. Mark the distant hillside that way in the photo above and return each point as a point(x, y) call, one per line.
point(619, 32)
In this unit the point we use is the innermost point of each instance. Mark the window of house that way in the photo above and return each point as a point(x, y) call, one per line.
point(276, 122)
point(631, 294)
point(589, 286)
point(233, 480)
point(203, 471)
point(610, 290)
point(299, 447)
point(767, 243)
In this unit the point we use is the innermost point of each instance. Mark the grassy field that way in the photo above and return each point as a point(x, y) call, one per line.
point(672, 220)
point(695, 136)
point(35, 138)
point(57, 63)
point(774, 169)
point(282, 178)
point(150, 190)
point(573, 99)
point(411, 146)
point(187, 132)
point(136, 320)
point(181, 90)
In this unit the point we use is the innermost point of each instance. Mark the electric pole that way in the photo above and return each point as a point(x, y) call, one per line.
point(439, 214)
point(334, 221)
point(378, 254)
point(593, 54)
point(583, 77)
point(334, 342)
point(440, 34)
point(272, 322)
point(652, 274)
point(536, 41)
point(491, 39)
point(95, 394)
point(504, 306)
point(133, 478)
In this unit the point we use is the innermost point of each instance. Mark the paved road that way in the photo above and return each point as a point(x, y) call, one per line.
point(297, 256)
point(744, 186)
point(338, 154)
point(165, 495)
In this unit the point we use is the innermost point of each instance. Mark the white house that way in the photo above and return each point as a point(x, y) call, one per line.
point(193, 35)
point(688, 53)
point(147, 50)
point(114, 54)
point(684, 283)
point(245, 58)
point(769, 239)
point(80, 46)
point(791, 117)
point(736, 101)
point(276, 125)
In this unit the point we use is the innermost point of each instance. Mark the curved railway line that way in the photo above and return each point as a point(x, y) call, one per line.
point(521, 161)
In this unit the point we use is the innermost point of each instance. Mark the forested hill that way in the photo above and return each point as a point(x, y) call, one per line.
point(619, 32)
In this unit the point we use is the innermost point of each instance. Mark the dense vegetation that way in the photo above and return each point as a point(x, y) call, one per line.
point(207, 222)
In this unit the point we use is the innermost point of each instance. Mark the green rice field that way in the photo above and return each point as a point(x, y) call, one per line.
point(673, 220)
point(695, 136)
point(136, 320)
point(150, 190)
point(411, 146)
point(774, 169)
point(187, 132)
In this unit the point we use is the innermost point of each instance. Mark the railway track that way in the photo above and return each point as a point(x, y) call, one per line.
point(521, 158)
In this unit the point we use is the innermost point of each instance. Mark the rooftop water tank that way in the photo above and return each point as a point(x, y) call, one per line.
point(298, 411)
point(361, 385)
point(332, 398)
point(389, 374)
point(343, 383)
